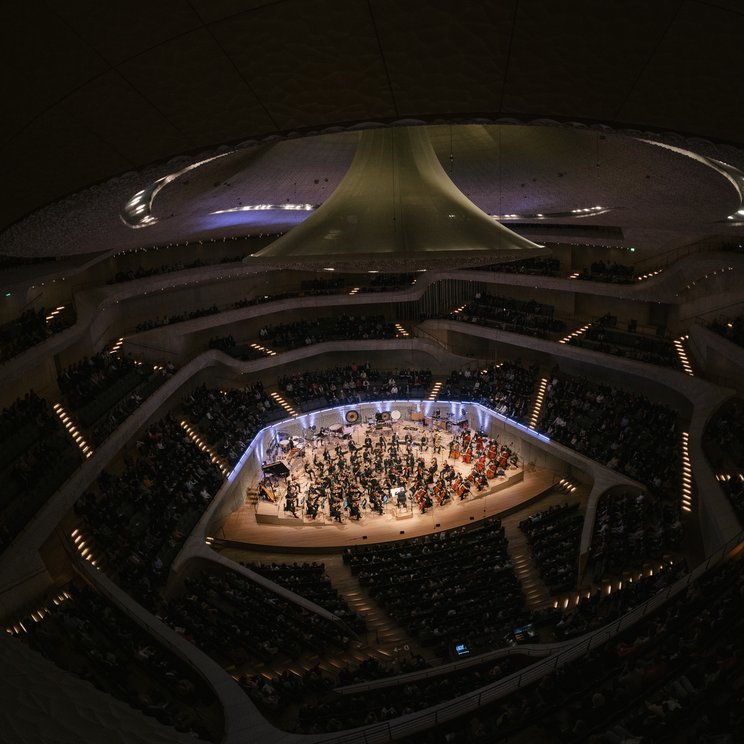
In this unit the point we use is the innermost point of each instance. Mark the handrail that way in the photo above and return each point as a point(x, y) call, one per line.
point(536, 650)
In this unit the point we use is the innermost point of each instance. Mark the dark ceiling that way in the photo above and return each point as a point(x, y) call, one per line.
point(94, 89)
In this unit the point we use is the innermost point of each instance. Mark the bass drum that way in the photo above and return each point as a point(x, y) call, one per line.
point(395, 415)
point(352, 417)
point(385, 416)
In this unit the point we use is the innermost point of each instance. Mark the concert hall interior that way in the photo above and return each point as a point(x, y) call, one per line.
point(372, 371)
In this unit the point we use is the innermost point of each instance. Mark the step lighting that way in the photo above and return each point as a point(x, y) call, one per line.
point(117, 345)
point(649, 275)
point(434, 394)
point(82, 548)
point(459, 309)
point(402, 331)
point(72, 430)
point(54, 313)
point(566, 485)
point(263, 350)
point(284, 404)
point(538, 402)
point(686, 474)
point(204, 447)
point(576, 333)
point(354, 290)
point(682, 354)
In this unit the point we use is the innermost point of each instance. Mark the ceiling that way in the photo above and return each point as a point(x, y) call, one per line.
point(93, 90)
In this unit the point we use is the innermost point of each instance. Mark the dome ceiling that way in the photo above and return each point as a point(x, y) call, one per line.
point(93, 89)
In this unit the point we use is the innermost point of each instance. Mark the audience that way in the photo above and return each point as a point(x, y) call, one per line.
point(235, 621)
point(89, 637)
point(138, 519)
point(604, 337)
point(32, 327)
point(103, 390)
point(447, 589)
point(452, 587)
point(36, 457)
point(354, 383)
point(230, 419)
point(672, 677)
point(631, 529)
point(309, 580)
point(541, 266)
point(140, 272)
point(554, 536)
point(305, 332)
point(624, 431)
point(530, 317)
point(336, 712)
point(506, 388)
point(158, 321)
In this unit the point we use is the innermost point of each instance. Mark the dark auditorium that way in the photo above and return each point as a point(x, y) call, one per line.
point(372, 371)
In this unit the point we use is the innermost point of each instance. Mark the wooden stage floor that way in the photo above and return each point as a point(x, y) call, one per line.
point(241, 526)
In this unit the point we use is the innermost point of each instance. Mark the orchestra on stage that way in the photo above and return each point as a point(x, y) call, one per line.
point(350, 472)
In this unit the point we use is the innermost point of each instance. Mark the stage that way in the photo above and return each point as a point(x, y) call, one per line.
point(243, 526)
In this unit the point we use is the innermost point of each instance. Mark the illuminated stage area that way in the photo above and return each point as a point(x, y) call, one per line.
point(350, 474)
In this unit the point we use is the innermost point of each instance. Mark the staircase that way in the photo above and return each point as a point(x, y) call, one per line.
point(437, 383)
point(383, 634)
point(536, 594)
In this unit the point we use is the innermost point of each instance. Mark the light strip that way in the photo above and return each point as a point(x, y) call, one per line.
point(263, 350)
point(73, 431)
point(682, 354)
point(686, 495)
point(85, 553)
point(284, 404)
point(538, 402)
point(576, 333)
point(267, 208)
point(204, 447)
point(643, 277)
point(56, 311)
